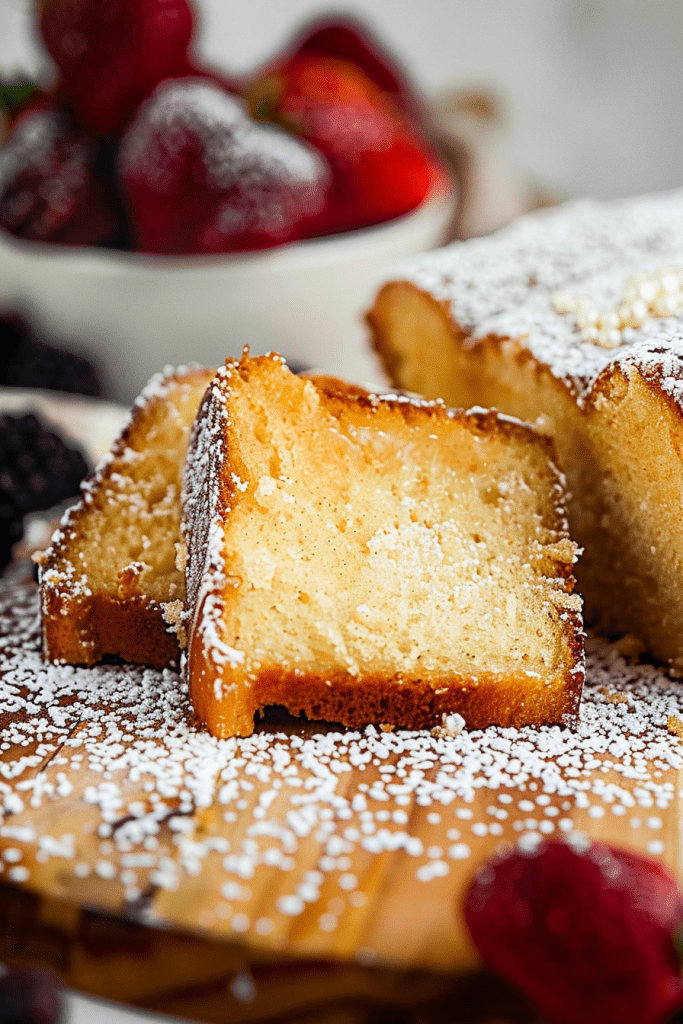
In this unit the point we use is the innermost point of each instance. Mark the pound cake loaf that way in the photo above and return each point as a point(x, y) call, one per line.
point(111, 567)
point(574, 315)
point(365, 559)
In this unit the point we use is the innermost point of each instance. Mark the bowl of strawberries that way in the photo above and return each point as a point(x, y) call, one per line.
point(163, 211)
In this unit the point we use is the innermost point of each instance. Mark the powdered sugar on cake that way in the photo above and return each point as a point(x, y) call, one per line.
point(235, 149)
point(201, 525)
point(504, 285)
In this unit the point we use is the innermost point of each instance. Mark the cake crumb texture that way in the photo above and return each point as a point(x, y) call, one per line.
point(487, 322)
point(373, 559)
point(111, 564)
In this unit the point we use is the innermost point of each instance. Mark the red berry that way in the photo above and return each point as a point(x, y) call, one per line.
point(53, 183)
point(111, 53)
point(381, 166)
point(350, 40)
point(200, 176)
point(588, 934)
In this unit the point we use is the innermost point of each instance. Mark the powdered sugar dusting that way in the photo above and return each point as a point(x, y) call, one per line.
point(503, 285)
point(259, 163)
point(201, 523)
point(115, 751)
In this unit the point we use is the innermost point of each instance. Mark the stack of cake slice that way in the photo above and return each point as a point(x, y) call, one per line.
point(353, 557)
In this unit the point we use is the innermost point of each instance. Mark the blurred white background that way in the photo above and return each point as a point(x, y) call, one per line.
point(593, 88)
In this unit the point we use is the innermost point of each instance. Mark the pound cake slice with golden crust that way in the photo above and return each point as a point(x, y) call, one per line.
point(574, 315)
point(366, 559)
point(111, 566)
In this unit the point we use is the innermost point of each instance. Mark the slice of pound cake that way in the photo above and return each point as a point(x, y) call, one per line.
point(366, 559)
point(574, 315)
point(111, 567)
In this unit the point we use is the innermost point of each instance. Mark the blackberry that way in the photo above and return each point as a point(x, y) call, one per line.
point(28, 362)
point(37, 470)
point(29, 995)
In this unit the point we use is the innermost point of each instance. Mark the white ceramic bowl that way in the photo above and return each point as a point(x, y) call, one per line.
point(136, 313)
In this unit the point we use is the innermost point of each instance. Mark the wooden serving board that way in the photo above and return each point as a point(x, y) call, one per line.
point(146, 862)
point(307, 840)
point(189, 975)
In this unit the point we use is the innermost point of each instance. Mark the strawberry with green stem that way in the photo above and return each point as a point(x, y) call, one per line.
point(381, 166)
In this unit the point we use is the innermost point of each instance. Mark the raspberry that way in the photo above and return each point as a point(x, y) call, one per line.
point(588, 934)
point(37, 470)
point(200, 176)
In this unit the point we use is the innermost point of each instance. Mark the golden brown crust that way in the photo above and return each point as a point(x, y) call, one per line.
point(393, 700)
point(410, 703)
point(84, 630)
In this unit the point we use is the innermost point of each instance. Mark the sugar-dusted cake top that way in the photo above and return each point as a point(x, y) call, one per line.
point(584, 285)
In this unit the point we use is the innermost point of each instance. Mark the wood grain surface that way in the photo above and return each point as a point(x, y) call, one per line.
point(328, 861)
point(188, 975)
point(146, 862)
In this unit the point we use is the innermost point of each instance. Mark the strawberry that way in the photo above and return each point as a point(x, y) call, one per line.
point(111, 53)
point(588, 932)
point(53, 182)
point(381, 166)
point(348, 39)
point(200, 176)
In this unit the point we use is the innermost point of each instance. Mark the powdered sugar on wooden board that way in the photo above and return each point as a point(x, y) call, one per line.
point(504, 285)
point(317, 840)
